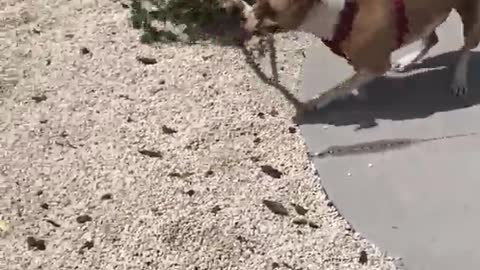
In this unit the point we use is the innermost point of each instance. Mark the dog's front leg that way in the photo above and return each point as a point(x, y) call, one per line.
point(344, 88)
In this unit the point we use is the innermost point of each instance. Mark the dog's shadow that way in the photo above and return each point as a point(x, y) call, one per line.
point(420, 92)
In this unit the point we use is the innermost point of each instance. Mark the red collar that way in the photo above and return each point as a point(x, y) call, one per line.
point(345, 24)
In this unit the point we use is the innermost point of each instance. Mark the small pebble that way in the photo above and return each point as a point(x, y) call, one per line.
point(83, 219)
point(300, 221)
point(106, 196)
point(209, 173)
point(84, 50)
point(255, 159)
point(363, 259)
point(4, 226)
point(299, 209)
point(313, 225)
point(370, 165)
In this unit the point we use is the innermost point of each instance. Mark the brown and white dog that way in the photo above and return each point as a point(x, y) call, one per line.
point(366, 32)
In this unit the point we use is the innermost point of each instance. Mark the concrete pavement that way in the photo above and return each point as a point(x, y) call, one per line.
point(418, 201)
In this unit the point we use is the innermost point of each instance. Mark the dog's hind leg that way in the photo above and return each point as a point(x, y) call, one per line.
point(406, 61)
point(469, 11)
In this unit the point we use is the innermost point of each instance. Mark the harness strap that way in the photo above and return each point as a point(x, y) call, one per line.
point(401, 21)
point(345, 25)
point(343, 28)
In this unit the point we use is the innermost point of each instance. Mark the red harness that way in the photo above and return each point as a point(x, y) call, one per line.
point(347, 15)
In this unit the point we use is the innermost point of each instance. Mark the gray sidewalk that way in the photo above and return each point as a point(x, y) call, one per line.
point(415, 196)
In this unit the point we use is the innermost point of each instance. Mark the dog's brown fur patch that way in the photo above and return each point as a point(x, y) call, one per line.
point(372, 39)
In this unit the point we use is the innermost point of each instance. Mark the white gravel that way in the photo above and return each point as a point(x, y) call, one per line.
point(72, 125)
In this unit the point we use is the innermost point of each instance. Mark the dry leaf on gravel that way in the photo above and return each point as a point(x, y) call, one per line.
point(168, 130)
point(53, 223)
point(149, 153)
point(363, 259)
point(300, 221)
point(83, 219)
point(274, 113)
point(180, 175)
point(269, 170)
point(84, 50)
point(313, 225)
point(36, 244)
point(276, 207)
point(39, 98)
point(146, 60)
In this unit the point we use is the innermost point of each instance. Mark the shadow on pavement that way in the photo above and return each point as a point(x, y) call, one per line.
point(415, 94)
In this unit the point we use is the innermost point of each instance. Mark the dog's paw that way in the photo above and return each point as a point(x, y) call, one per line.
point(406, 62)
point(402, 67)
point(399, 67)
point(320, 102)
point(459, 88)
point(308, 106)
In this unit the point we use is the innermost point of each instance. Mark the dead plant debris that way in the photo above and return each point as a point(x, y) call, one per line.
point(276, 207)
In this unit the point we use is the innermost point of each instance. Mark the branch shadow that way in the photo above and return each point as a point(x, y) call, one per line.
point(405, 97)
point(274, 80)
